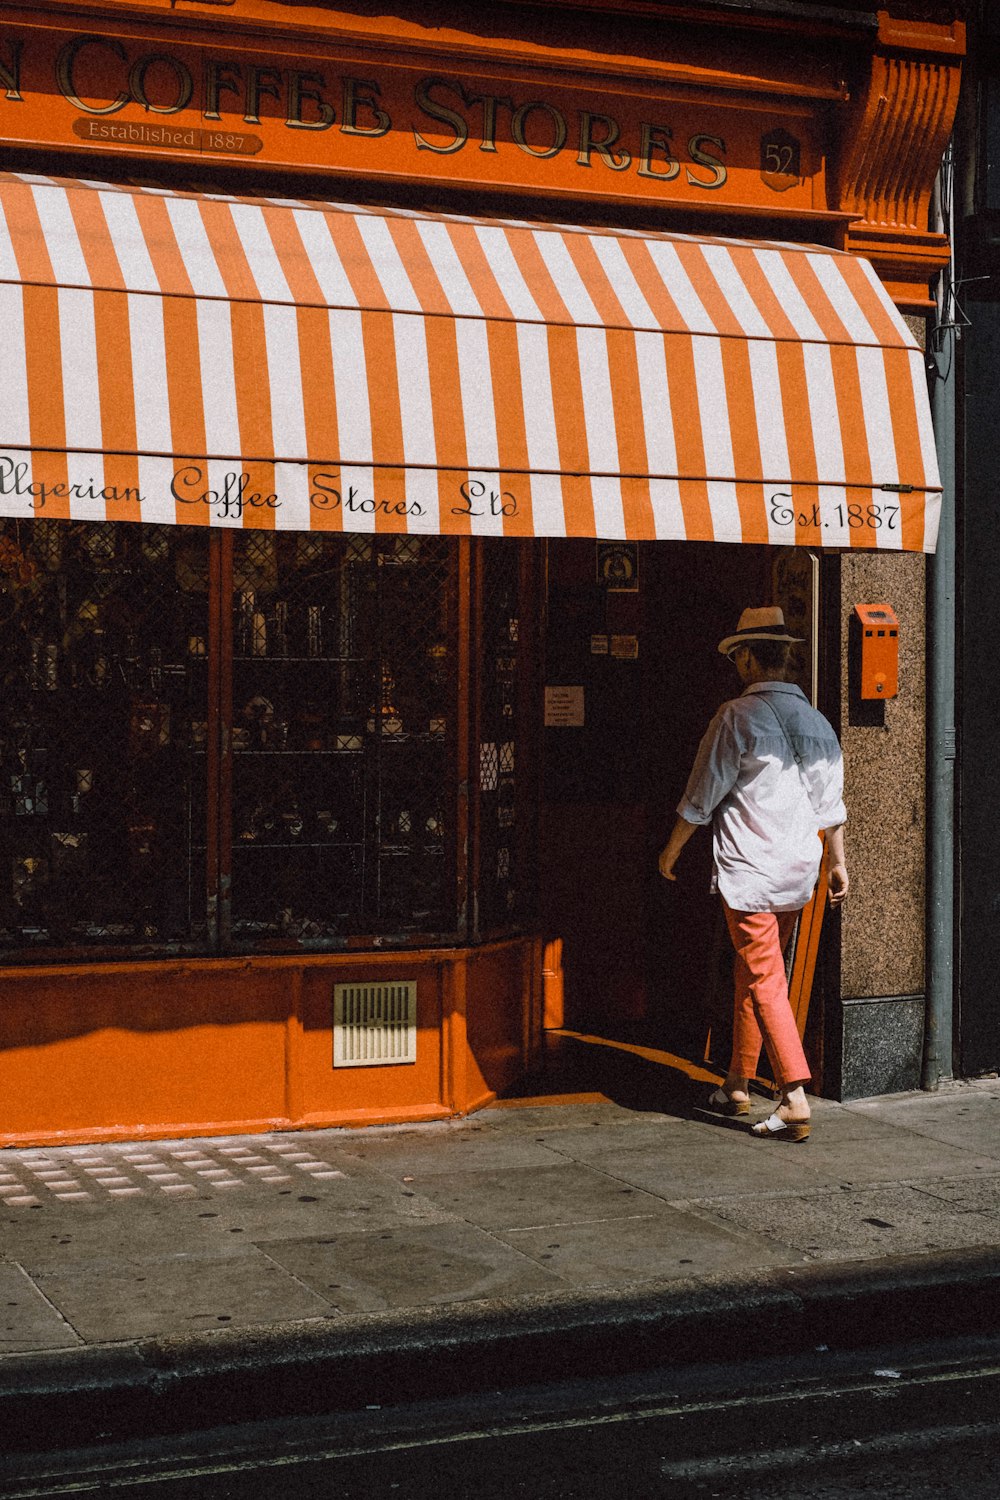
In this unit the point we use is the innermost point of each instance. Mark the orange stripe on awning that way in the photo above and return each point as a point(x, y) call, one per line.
point(850, 407)
point(43, 359)
point(688, 438)
point(512, 437)
point(631, 433)
point(253, 387)
point(318, 393)
point(906, 434)
point(96, 241)
point(745, 438)
point(115, 373)
point(477, 268)
point(181, 341)
point(573, 379)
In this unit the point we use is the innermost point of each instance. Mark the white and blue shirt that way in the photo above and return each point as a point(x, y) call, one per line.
point(766, 810)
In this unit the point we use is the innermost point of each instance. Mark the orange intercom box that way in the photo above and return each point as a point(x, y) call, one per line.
point(879, 650)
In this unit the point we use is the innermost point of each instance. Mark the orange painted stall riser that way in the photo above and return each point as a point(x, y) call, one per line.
point(211, 1048)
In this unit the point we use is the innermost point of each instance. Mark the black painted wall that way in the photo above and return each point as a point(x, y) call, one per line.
point(978, 1032)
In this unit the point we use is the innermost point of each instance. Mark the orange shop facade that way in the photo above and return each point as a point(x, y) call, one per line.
point(395, 414)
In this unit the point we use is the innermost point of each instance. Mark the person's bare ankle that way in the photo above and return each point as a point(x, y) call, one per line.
point(737, 1088)
point(794, 1104)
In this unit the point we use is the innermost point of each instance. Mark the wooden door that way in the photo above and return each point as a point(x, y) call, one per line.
point(636, 952)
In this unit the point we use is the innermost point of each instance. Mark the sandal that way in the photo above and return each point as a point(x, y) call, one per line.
point(774, 1128)
point(721, 1103)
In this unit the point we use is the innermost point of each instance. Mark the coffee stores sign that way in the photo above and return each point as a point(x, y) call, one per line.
point(378, 117)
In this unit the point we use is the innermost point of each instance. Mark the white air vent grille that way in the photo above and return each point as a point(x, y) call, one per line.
point(374, 1024)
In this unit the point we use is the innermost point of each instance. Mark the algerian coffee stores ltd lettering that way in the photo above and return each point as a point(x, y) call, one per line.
point(230, 497)
point(93, 92)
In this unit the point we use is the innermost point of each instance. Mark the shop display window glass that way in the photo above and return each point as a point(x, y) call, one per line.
point(103, 723)
point(344, 685)
point(240, 741)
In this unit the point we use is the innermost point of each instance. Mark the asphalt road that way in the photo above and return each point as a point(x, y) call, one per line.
point(902, 1424)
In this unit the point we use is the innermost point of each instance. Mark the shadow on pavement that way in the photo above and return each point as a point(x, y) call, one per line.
point(625, 1070)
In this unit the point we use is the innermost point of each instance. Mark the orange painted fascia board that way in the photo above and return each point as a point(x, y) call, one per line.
point(802, 77)
point(41, 117)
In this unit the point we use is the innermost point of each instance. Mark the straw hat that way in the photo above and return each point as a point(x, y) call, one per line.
point(766, 624)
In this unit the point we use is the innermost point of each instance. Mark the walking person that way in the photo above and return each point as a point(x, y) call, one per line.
point(768, 776)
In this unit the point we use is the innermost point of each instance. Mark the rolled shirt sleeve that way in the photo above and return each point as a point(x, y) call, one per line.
point(826, 779)
point(715, 770)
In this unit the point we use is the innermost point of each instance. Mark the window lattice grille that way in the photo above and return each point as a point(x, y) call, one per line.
point(344, 682)
point(103, 726)
point(503, 877)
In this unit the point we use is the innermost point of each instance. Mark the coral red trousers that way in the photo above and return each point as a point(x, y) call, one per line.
point(761, 1011)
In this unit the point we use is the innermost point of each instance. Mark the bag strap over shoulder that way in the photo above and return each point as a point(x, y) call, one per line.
point(796, 755)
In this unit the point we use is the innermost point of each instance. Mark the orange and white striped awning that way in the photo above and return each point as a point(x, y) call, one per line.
point(205, 359)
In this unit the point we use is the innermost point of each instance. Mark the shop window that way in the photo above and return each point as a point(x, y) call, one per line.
point(344, 687)
point(103, 724)
point(237, 741)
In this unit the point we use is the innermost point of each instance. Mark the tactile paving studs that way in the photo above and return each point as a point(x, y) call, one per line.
point(82, 1175)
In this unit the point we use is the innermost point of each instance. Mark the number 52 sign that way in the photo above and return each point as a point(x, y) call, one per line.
point(780, 166)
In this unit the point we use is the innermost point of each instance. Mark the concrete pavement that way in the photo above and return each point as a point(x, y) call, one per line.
point(160, 1283)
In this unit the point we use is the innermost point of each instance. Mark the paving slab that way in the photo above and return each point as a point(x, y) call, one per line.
point(858, 1223)
point(615, 1252)
point(458, 1151)
point(520, 1197)
point(903, 1157)
point(72, 1236)
point(109, 1304)
point(599, 1113)
point(585, 1142)
point(27, 1321)
point(420, 1265)
point(971, 1122)
point(979, 1194)
point(715, 1160)
point(367, 1200)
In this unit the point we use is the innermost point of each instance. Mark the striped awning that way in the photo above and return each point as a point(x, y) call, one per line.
point(213, 360)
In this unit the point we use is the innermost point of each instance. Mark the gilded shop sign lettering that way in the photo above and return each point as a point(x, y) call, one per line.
point(449, 116)
point(355, 115)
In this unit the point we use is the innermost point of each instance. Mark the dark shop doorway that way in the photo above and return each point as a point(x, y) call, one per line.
point(633, 676)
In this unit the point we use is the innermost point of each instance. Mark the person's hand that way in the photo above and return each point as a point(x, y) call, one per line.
point(671, 851)
point(839, 883)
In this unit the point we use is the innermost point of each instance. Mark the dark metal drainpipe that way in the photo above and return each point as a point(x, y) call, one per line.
point(938, 1035)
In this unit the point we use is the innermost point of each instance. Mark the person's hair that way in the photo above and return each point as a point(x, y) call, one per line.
point(770, 656)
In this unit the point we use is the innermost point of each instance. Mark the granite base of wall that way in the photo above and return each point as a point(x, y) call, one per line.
point(882, 1043)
